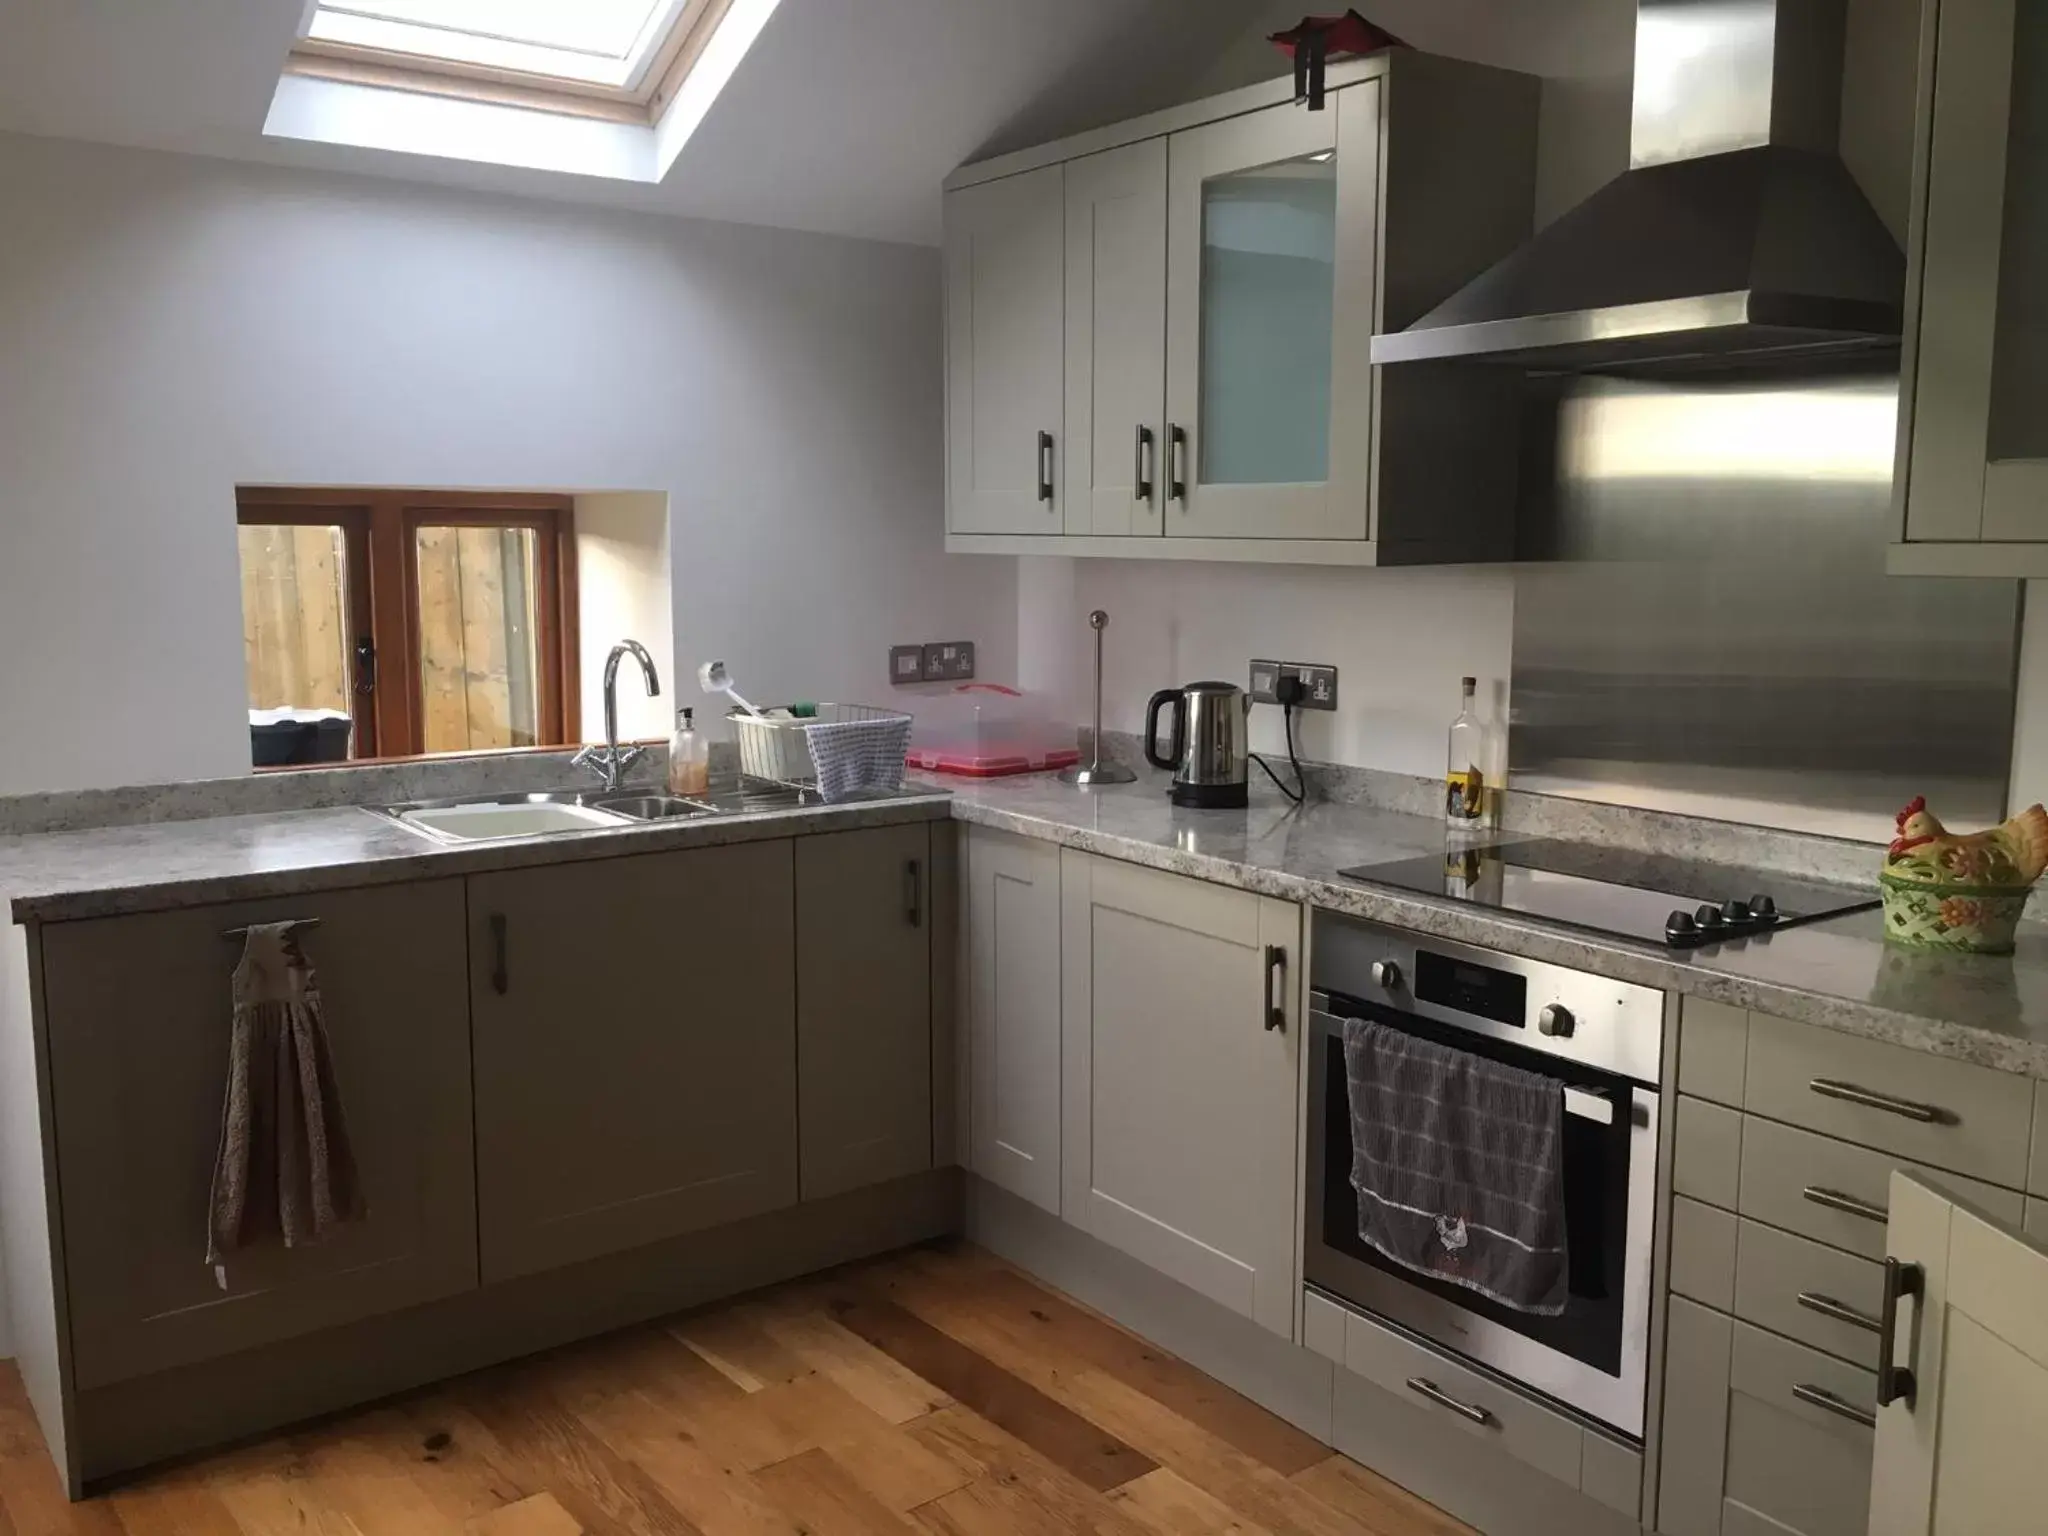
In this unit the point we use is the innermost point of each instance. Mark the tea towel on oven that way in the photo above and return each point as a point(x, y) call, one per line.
point(1458, 1164)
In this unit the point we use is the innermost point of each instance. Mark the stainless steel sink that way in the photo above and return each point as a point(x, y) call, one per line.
point(484, 818)
point(653, 807)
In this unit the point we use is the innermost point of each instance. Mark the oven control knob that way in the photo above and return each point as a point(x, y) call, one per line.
point(1555, 1019)
point(1386, 974)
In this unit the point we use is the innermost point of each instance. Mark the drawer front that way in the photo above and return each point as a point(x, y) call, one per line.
point(1800, 1465)
point(1493, 1414)
point(1950, 1114)
point(1707, 1159)
point(1774, 1270)
point(1850, 1187)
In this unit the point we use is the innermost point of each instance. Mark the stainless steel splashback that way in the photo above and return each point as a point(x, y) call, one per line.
point(1713, 632)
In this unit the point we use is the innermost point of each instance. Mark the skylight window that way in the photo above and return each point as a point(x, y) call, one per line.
point(610, 88)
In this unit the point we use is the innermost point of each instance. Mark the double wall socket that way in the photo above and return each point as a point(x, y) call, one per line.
point(1318, 682)
point(943, 661)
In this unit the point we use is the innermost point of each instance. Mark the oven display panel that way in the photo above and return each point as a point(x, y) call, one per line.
point(1476, 989)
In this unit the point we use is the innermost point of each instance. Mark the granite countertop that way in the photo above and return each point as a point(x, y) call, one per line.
point(107, 871)
point(1840, 974)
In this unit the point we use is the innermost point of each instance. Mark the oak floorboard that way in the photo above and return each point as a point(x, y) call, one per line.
point(936, 1392)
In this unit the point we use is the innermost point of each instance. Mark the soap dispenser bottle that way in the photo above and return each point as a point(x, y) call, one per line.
point(689, 758)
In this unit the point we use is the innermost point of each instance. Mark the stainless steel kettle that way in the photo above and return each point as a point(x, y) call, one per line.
point(1210, 751)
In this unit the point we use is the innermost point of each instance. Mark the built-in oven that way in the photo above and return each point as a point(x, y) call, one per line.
point(1603, 1042)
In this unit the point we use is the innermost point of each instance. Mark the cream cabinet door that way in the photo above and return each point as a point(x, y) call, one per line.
point(1005, 255)
point(1272, 238)
point(1975, 465)
point(1960, 1447)
point(1182, 1032)
point(1013, 1045)
point(1116, 339)
point(635, 1046)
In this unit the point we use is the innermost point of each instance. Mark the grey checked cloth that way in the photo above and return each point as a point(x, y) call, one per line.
point(856, 757)
point(1458, 1162)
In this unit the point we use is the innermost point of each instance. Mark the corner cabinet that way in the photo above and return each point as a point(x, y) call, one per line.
point(1972, 474)
point(1180, 1055)
point(1158, 334)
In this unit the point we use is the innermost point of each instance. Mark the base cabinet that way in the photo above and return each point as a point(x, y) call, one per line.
point(864, 1007)
point(137, 1011)
point(1180, 1053)
point(1013, 1008)
point(635, 1026)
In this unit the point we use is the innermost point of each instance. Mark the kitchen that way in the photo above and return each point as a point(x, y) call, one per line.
point(990, 979)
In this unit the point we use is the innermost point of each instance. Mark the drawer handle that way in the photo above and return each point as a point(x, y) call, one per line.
point(501, 976)
point(1436, 1394)
point(1840, 1311)
point(1841, 1408)
point(1835, 1200)
point(1849, 1093)
point(1895, 1383)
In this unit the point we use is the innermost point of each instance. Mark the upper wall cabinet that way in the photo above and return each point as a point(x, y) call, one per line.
point(1158, 334)
point(1973, 446)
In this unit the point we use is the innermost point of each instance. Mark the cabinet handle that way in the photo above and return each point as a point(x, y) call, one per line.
point(1840, 1311)
point(1177, 464)
point(1895, 1383)
point(1436, 1394)
point(1840, 1407)
point(1849, 1205)
point(1850, 1093)
point(1276, 998)
point(913, 893)
point(501, 979)
point(1142, 473)
point(1045, 466)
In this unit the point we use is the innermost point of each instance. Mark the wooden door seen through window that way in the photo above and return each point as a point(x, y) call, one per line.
point(435, 621)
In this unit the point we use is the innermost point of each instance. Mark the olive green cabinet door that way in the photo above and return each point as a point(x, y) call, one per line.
point(635, 1025)
point(864, 1007)
point(138, 1013)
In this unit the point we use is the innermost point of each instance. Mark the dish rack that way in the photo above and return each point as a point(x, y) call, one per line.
point(780, 750)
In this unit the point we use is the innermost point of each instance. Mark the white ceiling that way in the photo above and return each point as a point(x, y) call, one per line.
point(843, 119)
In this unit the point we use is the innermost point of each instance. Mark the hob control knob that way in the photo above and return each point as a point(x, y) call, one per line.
point(1735, 911)
point(1763, 909)
point(1680, 924)
point(1555, 1019)
point(1386, 974)
point(1709, 917)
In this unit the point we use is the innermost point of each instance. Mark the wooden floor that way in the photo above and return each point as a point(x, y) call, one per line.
point(936, 1392)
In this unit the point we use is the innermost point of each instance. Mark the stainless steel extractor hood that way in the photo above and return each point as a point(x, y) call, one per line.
point(1736, 232)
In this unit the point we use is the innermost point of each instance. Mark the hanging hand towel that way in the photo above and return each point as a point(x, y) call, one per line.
point(285, 1170)
point(1458, 1164)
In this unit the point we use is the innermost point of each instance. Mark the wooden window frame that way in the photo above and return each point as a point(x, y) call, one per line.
point(381, 528)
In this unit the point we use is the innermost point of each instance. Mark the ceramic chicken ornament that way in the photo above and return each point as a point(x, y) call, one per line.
point(1944, 890)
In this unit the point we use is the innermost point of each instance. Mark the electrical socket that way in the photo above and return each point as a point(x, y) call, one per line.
point(906, 665)
point(948, 661)
point(1319, 682)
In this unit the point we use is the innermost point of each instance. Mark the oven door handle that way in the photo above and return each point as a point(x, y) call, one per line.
point(1590, 1104)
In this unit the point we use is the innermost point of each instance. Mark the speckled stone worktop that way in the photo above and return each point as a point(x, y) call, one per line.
point(1838, 974)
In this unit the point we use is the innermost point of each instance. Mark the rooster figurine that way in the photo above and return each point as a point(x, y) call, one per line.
point(1950, 891)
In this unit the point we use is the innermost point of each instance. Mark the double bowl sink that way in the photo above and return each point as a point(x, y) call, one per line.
point(550, 812)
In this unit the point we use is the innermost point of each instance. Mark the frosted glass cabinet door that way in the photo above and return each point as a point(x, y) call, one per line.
point(1272, 223)
point(1978, 355)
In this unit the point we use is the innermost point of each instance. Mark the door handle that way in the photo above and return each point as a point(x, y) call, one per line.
point(1840, 1407)
point(1870, 1098)
point(1840, 1311)
point(501, 976)
point(1045, 466)
point(1177, 464)
point(1895, 1383)
point(913, 893)
point(1142, 472)
point(1849, 1205)
point(366, 666)
point(1276, 969)
point(1424, 1387)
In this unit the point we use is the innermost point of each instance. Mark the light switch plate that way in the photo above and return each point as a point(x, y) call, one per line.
point(906, 665)
point(949, 661)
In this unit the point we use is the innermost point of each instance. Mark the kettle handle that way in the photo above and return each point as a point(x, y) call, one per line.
point(1161, 700)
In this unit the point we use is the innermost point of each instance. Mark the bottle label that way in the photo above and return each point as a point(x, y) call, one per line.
point(1464, 794)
